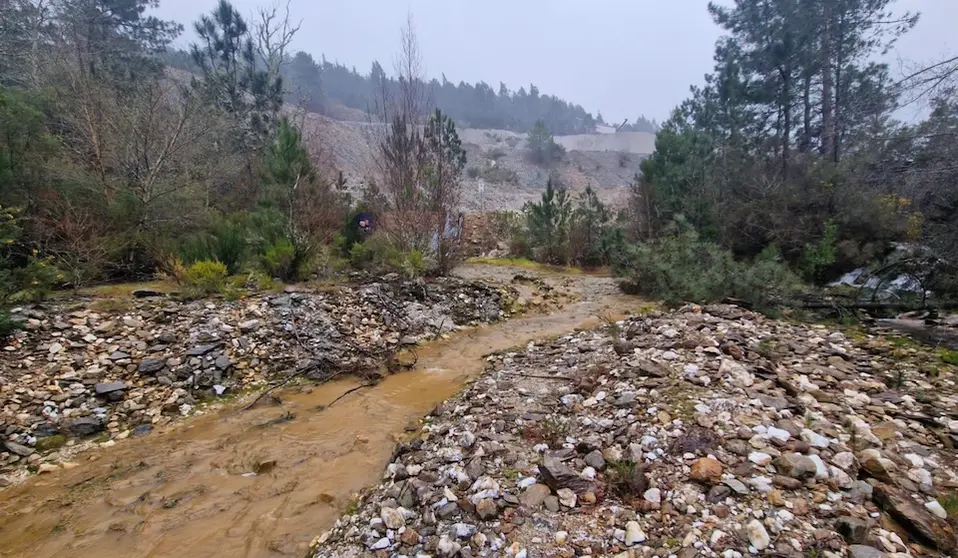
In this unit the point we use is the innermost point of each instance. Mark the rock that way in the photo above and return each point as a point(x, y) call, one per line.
point(201, 350)
point(796, 466)
point(18, 449)
point(787, 483)
point(861, 551)
point(718, 493)
point(561, 537)
point(409, 537)
point(250, 326)
point(878, 466)
point(935, 508)
point(151, 365)
point(380, 544)
point(653, 495)
point(814, 439)
point(931, 529)
point(567, 497)
point(447, 547)
point(757, 535)
point(487, 509)
point(821, 471)
point(778, 435)
point(852, 529)
point(142, 429)
point(119, 355)
point(844, 460)
point(706, 470)
point(652, 369)
point(111, 390)
point(759, 458)
point(82, 426)
point(595, 460)
point(737, 486)
point(558, 475)
point(392, 517)
point(634, 534)
point(146, 293)
point(534, 496)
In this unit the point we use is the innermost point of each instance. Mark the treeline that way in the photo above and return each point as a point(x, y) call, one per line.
point(112, 168)
point(315, 84)
point(787, 168)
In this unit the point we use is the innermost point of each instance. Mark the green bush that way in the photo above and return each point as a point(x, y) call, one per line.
point(8, 324)
point(205, 277)
point(473, 172)
point(379, 255)
point(683, 268)
point(225, 241)
point(279, 259)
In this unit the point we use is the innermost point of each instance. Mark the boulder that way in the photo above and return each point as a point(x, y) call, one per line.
point(925, 526)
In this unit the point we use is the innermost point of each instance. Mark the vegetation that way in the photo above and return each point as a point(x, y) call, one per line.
point(543, 150)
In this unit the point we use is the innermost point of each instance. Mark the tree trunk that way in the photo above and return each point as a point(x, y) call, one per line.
point(836, 123)
point(806, 140)
point(828, 107)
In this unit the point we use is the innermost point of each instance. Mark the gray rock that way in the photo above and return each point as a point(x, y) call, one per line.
point(142, 430)
point(852, 529)
point(487, 509)
point(595, 460)
point(558, 475)
point(737, 485)
point(151, 365)
point(796, 465)
point(551, 503)
point(18, 449)
point(201, 350)
point(83, 426)
point(223, 362)
point(111, 390)
point(119, 355)
point(718, 493)
point(862, 551)
point(534, 496)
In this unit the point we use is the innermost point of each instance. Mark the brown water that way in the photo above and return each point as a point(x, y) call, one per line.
point(183, 493)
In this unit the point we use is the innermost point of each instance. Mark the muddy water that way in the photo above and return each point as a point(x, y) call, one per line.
point(190, 491)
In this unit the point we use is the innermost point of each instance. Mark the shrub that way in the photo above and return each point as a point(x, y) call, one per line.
point(499, 174)
point(683, 268)
point(379, 255)
point(225, 241)
point(205, 277)
point(8, 324)
point(473, 172)
point(279, 259)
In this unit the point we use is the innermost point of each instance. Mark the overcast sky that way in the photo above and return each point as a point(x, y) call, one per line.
point(620, 57)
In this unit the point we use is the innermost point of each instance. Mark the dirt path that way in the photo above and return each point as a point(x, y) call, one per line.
point(191, 491)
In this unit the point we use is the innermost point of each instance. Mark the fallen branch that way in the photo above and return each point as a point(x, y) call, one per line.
point(345, 393)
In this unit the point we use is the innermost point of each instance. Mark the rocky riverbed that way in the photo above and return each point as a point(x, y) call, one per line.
point(699, 432)
point(101, 373)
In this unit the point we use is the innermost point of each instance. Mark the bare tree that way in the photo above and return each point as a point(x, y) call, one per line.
point(274, 32)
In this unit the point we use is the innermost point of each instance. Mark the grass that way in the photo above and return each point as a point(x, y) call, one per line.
point(625, 478)
point(948, 356)
point(125, 290)
point(50, 443)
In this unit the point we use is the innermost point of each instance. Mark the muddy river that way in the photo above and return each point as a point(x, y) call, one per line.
point(264, 482)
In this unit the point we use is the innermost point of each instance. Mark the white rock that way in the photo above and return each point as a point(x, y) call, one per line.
point(821, 470)
point(934, 507)
point(381, 544)
point(670, 355)
point(526, 482)
point(953, 426)
point(759, 458)
point(447, 547)
point(653, 495)
point(778, 435)
point(717, 536)
point(814, 439)
point(757, 535)
point(634, 534)
point(566, 497)
point(588, 473)
point(561, 537)
point(738, 375)
point(392, 517)
point(915, 460)
point(844, 460)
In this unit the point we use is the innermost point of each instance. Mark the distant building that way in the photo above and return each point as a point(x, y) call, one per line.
point(601, 129)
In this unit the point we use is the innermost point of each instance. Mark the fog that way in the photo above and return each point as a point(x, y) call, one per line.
point(621, 57)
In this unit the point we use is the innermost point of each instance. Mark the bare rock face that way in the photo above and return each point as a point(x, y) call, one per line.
point(930, 529)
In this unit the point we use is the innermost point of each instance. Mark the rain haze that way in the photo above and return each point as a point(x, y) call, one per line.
point(620, 58)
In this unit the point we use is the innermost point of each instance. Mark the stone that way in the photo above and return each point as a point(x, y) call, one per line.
point(83, 426)
point(814, 439)
point(718, 493)
point(487, 509)
point(595, 460)
point(18, 449)
point(862, 551)
point(558, 475)
point(796, 466)
point(111, 390)
point(935, 508)
point(653, 495)
point(142, 429)
point(151, 365)
point(844, 460)
point(534, 496)
point(706, 470)
point(821, 470)
point(561, 537)
point(759, 458)
point(567, 497)
point(250, 326)
point(392, 518)
point(932, 530)
point(551, 503)
point(778, 435)
point(223, 362)
point(409, 537)
point(634, 534)
point(757, 535)
point(878, 466)
point(852, 529)
point(787, 483)
point(737, 486)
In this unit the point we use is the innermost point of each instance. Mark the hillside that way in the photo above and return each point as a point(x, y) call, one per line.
point(498, 174)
